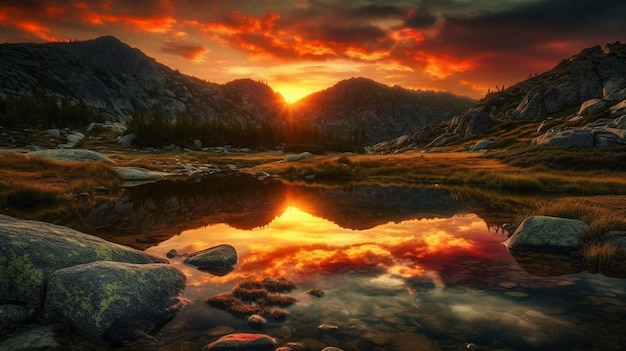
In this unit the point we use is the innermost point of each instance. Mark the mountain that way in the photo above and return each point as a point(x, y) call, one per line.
point(118, 80)
point(582, 97)
point(381, 111)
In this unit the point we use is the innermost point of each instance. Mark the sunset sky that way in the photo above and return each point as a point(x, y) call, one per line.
point(302, 46)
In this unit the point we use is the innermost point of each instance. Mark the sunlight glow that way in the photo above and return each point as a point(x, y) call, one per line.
point(300, 246)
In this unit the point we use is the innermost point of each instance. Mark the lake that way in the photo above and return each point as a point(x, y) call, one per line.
point(402, 268)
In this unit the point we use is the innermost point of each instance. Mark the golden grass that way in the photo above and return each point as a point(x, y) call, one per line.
point(29, 184)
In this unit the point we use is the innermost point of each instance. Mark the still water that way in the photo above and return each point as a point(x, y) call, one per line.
point(402, 269)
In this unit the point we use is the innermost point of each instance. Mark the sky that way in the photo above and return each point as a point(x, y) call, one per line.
point(301, 46)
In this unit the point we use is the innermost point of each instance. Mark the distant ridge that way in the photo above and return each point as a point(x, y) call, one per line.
point(118, 80)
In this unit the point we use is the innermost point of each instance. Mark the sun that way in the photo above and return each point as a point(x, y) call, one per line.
point(292, 92)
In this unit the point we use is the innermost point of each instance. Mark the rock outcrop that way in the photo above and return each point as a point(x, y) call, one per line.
point(31, 251)
point(544, 233)
point(72, 155)
point(113, 302)
point(595, 73)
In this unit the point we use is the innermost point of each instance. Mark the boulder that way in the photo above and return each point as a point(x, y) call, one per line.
point(114, 302)
point(471, 123)
point(75, 138)
point(543, 233)
point(35, 338)
point(126, 140)
point(217, 257)
point(243, 341)
point(618, 109)
point(71, 155)
point(566, 138)
point(54, 132)
point(138, 174)
point(30, 251)
point(606, 138)
point(480, 145)
point(298, 157)
point(618, 123)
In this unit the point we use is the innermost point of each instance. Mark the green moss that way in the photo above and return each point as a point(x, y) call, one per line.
point(26, 278)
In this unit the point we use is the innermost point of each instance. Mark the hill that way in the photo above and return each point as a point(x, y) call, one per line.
point(376, 112)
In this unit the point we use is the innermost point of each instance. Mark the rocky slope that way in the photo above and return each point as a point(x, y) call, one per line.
point(580, 102)
point(382, 112)
point(118, 80)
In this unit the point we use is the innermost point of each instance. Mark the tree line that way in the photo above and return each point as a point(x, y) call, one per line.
point(43, 111)
point(157, 129)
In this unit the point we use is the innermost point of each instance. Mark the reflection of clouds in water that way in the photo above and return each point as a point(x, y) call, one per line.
point(297, 245)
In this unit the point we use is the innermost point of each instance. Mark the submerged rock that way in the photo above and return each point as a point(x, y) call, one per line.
point(30, 251)
point(112, 301)
point(218, 257)
point(243, 341)
point(543, 233)
point(257, 321)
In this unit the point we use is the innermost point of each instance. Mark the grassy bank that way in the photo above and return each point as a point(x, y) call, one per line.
point(30, 185)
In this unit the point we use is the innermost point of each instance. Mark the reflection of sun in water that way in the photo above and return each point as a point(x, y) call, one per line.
point(298, 245)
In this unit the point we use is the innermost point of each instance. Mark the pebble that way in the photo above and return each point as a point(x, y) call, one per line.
point(328, 327)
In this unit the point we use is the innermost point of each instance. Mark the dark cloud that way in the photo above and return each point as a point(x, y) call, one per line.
point(419, 19)
point(187, 51)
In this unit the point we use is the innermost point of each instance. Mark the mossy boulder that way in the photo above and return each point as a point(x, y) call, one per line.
point(114, 302)
point(544, 233)
point(30, 251)
point(221, 257)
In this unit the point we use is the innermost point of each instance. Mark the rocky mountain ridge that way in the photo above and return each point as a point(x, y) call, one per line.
point(118, 80)
point(580, 102)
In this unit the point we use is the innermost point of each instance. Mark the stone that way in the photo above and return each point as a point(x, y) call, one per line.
point(256, 321)
point(127, 140)
point(480, 145)
point(331, 348)
point(197, 143)
point(328, 327)
point(606, 138)
point(138, 174)
point(243, 341)
point(618, 123)
point(298, 157)
point(544, 233)
point(75, 138)
point(71, 155)
point(30, 251)
point(566, 138)
point(218, 257)
point(114, 302)
point(54, 132)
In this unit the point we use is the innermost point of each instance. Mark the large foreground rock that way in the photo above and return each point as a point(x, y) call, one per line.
point(543, 233)
point(113, 301)
point(30, 251)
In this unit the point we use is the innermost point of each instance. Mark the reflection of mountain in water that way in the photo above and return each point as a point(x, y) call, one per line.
point(151, 213)
point(364, 207)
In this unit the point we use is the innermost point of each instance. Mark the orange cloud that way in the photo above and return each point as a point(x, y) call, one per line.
point(36, 29)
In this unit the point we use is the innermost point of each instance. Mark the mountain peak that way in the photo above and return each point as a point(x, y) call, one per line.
point(112, 55)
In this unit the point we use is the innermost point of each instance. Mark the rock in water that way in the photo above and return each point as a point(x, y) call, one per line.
point(217, 257)
point(30, 251)
point(243, 341)
point(114, 302)
point(543, 233)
